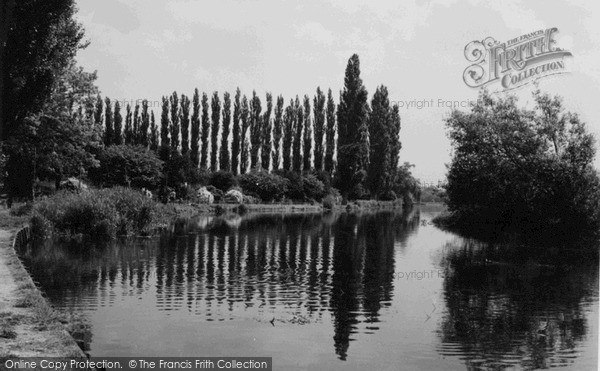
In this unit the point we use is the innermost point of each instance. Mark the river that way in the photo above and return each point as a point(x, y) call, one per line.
point(345, 291)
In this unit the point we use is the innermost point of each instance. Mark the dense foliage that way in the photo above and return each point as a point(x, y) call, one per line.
point(265, 185)
point(521, 169)
point(353, 133)
point(103, 213)
point(134, 166)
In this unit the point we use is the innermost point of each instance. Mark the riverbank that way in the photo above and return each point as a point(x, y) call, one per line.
point(29, 327)
point(293, 208)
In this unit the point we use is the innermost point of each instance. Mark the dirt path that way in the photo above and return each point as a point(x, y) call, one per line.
point(28, 325)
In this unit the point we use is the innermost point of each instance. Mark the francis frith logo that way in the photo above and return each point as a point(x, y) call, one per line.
point(515, 62)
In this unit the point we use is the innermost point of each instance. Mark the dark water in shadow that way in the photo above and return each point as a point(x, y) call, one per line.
point(380, 291)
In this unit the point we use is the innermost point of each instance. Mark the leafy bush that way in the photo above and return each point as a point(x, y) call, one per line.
point(198, 176)
point(303, 187)
point(251, 200)
point(269, 187)
point(216, 192)
point(329, 202)
point(223, 180)
point(312, 188)
point(101, 213)
point(128, 165)
point(388, 195)
point(324, 177)
point(294, 190)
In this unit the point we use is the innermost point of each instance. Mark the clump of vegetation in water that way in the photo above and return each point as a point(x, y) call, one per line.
point(99, 213)
point(521, 171)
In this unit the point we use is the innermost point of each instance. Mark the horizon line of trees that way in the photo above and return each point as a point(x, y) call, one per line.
point(238, 136)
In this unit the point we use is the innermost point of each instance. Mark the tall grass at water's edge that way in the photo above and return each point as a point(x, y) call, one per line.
point(98, 213)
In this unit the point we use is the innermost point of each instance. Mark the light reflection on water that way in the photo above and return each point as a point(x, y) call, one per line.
point(326, 291)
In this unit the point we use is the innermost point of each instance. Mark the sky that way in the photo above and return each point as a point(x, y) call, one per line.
point(144, 49)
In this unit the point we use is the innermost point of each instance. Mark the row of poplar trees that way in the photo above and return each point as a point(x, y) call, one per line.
point(278, 137)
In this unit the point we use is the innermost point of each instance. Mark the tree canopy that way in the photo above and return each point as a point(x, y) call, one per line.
point(522, 168)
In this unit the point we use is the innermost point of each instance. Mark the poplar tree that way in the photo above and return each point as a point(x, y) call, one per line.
point(380, 131)
point(288, 135)
point(330, 135)
point(174, 102)
point(118, 138)
point(307, 147)
point(255, 129)
point(185, 125)
point(319, 122)
point(128, 131)
point(144, 125)
point(109, 132)
point(135, 137)
point(214, 133)
point(298, 124)
point(205, 131)
point(353, 133)
point(195, 154)
point(224, 161)
point(164, 130)
point(396, 144)
point(245, 125)
point(98, 111)
point(236, 140)
point(153, 133)
point(266, 144)
point(277, 132)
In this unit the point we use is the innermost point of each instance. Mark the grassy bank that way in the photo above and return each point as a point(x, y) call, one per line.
point(107, 213)
point(104, 213)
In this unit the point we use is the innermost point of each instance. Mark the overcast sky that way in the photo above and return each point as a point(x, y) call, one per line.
point(144, 49)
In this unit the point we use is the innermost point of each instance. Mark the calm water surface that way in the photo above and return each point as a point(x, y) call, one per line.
point(378, 291)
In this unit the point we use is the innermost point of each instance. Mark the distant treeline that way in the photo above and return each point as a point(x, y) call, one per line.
point(235, 134)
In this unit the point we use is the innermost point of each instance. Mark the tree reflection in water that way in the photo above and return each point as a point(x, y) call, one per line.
point(510, 306)
point(301, 265)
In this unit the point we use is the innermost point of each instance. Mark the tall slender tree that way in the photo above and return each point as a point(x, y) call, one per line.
point(266, 144)
point(255, 129)
point(224, 160)
point(109, 132)
point(298, 125)
point(128, 131)
point(195, 153)
point(277, 132)
point(236, 140)
point(185, 125)
point(380, 131)
point(330, 135)
point(144, 124)
point(153, 133)
point(164, 130)
point(205, 132)
point(214, 133)
point(353, 133)
point(98, 111)
point(135, 137)
point(245, 126)
point(288, 135)
point(307, 146)
point(118, 120)
point(396, 144)
point(174, 103)
point(319, 121)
